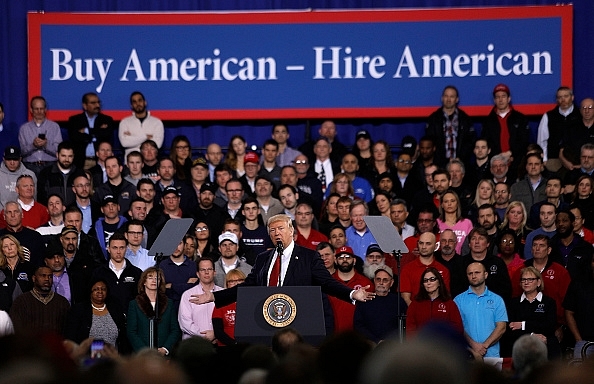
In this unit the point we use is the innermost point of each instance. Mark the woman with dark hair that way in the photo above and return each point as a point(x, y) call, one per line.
point(508, 247)
point(380, 206)
point(190, 246)
point(432, 303)
point(329, 214)
point(380, 162)
point(450, 217)
point(99, 318)
point(142, 309)
point(235, 154)
point(181, 155)
point(583, 199)
point(204, 246)
point(533, 313)
point(223, 318)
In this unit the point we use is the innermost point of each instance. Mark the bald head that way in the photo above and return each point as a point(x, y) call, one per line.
point(426, 245)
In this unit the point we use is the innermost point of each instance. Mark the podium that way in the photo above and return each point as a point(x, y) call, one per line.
point(261, 311)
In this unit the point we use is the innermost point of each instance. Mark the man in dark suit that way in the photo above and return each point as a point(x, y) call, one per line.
point(300, 267)
point(88, 129)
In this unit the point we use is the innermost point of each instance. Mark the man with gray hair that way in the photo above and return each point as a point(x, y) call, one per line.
point(586, 167)
point(457, 172)
point(499, 168)
point(398, 215)
point(528, 353)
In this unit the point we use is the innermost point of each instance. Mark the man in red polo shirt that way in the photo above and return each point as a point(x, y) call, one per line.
point(410, 278)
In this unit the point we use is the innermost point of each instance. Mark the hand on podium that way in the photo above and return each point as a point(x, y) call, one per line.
point(361, 294)
point(203, 298)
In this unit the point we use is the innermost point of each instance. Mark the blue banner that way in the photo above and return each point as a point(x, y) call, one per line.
point(300, 64)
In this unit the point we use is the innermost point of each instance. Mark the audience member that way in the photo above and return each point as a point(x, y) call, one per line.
point(10, 170)
point(141, 126)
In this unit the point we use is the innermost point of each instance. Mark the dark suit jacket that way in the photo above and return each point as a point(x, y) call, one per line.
point(102, 132)
point(305, 269)
point(465, 139)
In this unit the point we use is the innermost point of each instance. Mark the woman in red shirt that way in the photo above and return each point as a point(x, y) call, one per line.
point(432, 304)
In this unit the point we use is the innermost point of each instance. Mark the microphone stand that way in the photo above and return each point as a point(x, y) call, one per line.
point(280, 249)
point(401, 318)
point(154, 321)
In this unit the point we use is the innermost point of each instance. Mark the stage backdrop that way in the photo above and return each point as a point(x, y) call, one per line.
point(302, 64)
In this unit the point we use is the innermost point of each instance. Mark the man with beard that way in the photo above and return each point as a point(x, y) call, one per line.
point(328, 256)
point(502, 199)
point(89, 129)
point(499, 281)
point(141, 126)
point(40, 310)
point(374, 259)
point(442, 181)
point(210, 213)
point(447, 256)
point(347, 275)
point(483, 314)
point(410, 278)
point(10, 170)
point(556, 279)
point(57, 178)
point(487, 218)
point(569, 249)
point(124, 191)
point(547, 227)
point(288, 196)
point(378, 319)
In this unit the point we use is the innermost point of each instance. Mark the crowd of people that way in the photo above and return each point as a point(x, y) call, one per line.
point(498, 230)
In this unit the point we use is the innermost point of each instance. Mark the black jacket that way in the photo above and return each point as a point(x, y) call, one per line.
point(101, 132)
point(465, 140)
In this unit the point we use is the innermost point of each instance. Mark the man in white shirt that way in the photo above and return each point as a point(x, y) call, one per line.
point(141, 126)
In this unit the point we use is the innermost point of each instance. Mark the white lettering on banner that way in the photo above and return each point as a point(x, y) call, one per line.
point(477, 64)
point(373, 64)
point(334, 62)
point(209, 68)
point(61, 59)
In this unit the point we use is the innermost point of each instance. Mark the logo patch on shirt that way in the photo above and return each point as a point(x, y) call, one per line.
point(23, 276)
point(128, 279)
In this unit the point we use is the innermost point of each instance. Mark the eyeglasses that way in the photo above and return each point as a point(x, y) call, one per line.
point(528, 279)
point(383, 280)
point(300, 161)
point(430, 280)
point(201, 229)
point(404, 161)
point(344, 257)
point(204, 270)
point(135, 233)
point(587, 107)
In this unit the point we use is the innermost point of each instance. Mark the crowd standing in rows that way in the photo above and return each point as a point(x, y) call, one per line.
point(498, 229)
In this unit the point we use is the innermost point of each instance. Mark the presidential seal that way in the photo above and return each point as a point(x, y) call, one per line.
point(279, 310)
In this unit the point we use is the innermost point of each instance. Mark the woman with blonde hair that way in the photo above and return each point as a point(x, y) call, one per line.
point(515, 218)
point(14, 264)
point(223, 319)
point(142, 309)
point(485, 194)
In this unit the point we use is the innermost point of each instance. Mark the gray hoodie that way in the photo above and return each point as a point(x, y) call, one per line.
point(8, 182)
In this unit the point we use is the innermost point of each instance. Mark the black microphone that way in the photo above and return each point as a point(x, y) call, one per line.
point(280, 247)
